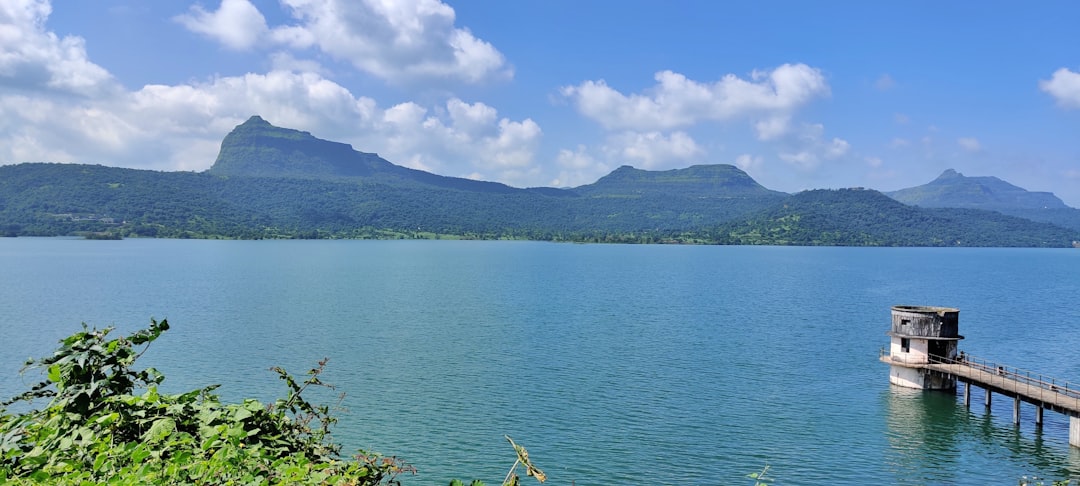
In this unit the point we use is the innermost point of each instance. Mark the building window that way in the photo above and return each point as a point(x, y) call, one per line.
point(905, 345)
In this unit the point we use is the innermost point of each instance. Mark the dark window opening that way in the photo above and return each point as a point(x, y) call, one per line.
point(905, 345)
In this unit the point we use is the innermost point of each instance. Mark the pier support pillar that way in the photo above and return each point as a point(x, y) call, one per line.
point(1074, 431)
point(1016, 410)
point(987, 398)
point(1038, 416)
point(967, 395)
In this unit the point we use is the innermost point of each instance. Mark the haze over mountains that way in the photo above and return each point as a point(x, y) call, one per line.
point(271, 182)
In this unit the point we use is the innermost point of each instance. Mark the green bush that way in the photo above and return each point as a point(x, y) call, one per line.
point(96, 430)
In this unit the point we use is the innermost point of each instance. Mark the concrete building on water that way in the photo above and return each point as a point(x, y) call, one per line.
point(921, 335)
point(923, 354)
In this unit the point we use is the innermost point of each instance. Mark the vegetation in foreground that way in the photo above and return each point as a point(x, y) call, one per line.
point(96, 430)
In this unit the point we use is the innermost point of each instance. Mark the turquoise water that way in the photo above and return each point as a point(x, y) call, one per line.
point(611, 364)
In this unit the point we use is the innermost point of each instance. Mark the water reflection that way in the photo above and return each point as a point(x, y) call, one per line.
point(934, 439)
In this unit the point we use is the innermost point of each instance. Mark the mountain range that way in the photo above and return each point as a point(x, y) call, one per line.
point(273, 182)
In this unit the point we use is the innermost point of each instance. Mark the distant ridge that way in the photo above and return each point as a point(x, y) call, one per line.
point(954, 190)
point(716, 180)
point(273, 182)
point(256, 148)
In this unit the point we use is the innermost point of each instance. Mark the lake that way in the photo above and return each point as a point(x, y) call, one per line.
point(612, 364)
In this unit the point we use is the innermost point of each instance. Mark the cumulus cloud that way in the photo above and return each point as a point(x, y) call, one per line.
point(676, 101)
point(236, 23)
point(837, 148)
point(653, 150)
point(748, 162)
point(180, 127)
point(578, 167)
point(57, 106)
point(1064, 86)
point(809, 148)
point(969, 144)
point(33, 59)
point(403, 40)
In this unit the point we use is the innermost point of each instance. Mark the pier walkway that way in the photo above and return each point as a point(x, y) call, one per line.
point(1021, 385)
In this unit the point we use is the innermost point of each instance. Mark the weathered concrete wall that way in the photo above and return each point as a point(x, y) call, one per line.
point(926, 321)
point(918, 350)
point(918, 378)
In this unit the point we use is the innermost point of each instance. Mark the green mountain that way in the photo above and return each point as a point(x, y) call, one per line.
point(271, 182)
point(256, 148)
point(698, 181)
point(860, 217)
point(954, 190)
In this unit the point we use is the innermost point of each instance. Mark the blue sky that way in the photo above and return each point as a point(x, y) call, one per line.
point(801, 95)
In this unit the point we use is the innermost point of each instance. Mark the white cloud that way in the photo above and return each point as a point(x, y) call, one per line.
point(404, 40)
point(899, 143)
point(47, 113)
point(676, 101)
point(32, 59)
point(1064, 86)
point(748, 162)
point(901, 118)
point(884, 83)
point(874, 162)
point(180, 127)
point(969, 144)
point(806, 150)
point(804, 160)
point(578, 167)
point(837, 148)
point(653, 150)
point(772, 128)
point(236, 23)
point(399, 40)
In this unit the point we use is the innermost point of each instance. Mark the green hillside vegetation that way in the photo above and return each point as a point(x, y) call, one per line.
point(105, 422)
point(954, 190)
point(859, 217)
point(272, 182)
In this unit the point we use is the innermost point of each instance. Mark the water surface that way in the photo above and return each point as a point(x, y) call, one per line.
point(612, 364)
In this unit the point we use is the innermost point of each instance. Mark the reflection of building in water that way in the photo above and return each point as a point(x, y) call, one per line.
point(932, 438)
point(922, 433)
point(921, 335)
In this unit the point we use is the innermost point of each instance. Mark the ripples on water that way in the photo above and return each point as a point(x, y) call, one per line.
point(611, 364)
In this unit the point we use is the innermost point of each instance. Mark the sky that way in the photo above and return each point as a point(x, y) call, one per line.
point(800, 95)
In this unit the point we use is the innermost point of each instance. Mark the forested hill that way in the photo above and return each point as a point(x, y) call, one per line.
point(256, 148)
point(954, 190)
point(860, 217)
point(271, 182)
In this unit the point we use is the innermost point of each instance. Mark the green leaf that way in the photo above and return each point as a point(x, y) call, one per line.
point(161, 429)
point(54, 373)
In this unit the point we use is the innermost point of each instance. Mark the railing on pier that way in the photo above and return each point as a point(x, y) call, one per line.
point(981, 372)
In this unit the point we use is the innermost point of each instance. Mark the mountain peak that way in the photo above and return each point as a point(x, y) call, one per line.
point(709, 180)
point(953, 190)
point(256, 120)
point(950, 174)
point(258, 148)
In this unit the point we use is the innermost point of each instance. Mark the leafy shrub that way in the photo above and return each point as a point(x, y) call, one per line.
point(96, 430)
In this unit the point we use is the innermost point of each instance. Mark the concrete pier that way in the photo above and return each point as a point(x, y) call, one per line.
point(923, 354)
